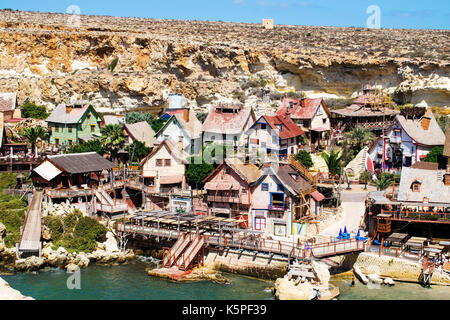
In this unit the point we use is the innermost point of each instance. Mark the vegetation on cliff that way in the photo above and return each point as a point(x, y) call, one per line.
point(74, 232)
point(31, 110)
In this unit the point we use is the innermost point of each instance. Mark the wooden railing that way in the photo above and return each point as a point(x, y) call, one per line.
point(438, 217)
point(301, 169)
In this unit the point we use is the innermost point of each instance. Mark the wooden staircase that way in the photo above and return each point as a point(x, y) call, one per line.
point(170, 256)
point(303, 171)
point(186, 253)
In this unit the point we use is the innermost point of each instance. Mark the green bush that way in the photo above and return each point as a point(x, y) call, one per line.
point(31, 110)
point(304, 158)
point(7, 180)
point(13, 220)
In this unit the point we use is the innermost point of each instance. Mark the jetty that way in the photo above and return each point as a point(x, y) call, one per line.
point(30, 239)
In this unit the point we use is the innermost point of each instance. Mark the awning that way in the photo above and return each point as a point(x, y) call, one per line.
point(170, 179)
point(317, 196)
point(47, 170)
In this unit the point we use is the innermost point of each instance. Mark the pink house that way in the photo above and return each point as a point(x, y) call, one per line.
point(228, 189)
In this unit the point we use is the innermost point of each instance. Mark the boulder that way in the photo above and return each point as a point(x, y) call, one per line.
point(389, 281)
point(8, 256)
point(361, 277)
point(374, 278)
point(57, 260)
point(2, 230)
point(62, 251)
point(71, 267)
point(29, 264)
point(110, 244)
point(46, 234)
point(2, 247)
point(321, 272)
point(81, 260)
point(285, 289)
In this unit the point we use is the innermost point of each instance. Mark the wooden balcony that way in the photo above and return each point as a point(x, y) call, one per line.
point(276, 207)
point(228, 199)
point(419, 216)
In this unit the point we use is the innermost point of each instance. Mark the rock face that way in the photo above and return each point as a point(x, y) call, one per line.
point(8, 293)
point(48, 60)
point(2, 230)
point(29, 264)
point(321, 272)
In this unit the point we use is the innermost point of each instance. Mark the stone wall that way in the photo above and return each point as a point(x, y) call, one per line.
point(244, 264)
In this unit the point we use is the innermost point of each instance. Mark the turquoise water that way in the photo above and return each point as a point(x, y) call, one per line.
point(131, 282)
point(400, 291)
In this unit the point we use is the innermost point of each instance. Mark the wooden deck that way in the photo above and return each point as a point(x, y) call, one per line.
point(31, 234)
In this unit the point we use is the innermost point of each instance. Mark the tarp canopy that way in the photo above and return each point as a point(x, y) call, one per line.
point(47, 170)
point(317, 196)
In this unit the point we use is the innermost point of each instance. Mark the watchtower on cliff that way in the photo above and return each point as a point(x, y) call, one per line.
point(268, 23)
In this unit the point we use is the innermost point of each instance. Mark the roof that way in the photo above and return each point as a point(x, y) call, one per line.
point(425, 165)
point(171, 112)
point(356, 110)
point(290, 129)
point(247, 171)
point(229, 123)
point(431, 137)
point(112, 119)
point(172, 148)
point(432, 186)
point(141, 131)
point(302, 109)
point(7, 101)
point(368, 98)
point(287, 173)
point(193, 127)
point(81, 162)
point(59, 115)
point(447, 144)
point(47, 170)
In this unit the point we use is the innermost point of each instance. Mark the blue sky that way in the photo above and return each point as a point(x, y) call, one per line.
point(434, 14)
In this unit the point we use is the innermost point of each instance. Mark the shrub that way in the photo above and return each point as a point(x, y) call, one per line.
point(7, 180)
point(31, 110)
point(304, 158)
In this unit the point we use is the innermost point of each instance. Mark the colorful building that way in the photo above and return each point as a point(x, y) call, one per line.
point(70, 124)
point(275, 135)
point(407, 141)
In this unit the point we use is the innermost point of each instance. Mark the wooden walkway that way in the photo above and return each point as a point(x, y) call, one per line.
point(272, 247)
point(30, 240)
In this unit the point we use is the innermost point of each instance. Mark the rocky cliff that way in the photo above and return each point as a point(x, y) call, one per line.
point(123, 64)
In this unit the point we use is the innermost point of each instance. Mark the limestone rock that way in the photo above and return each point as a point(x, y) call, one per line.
point(111, 243)
point(286, 289)
point(29, 264)
point(374, 278)
point(2, 247)
point(71, 267)
point(8, 293)
point(389, 281)
point(361, 277)
point(8, 256)
point(321, 272)
point(81, 260)
point(46, 234)
point(56, 260)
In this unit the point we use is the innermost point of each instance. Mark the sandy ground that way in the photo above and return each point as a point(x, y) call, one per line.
point(353, 204)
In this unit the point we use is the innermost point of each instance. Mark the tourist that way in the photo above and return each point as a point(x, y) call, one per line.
point(353, 282)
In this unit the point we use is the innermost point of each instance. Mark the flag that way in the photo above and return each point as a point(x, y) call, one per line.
point(307, 246)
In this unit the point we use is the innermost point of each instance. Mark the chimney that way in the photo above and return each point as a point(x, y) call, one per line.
point(186, 114)
point(425, 122)
point(68, 109)
point(180, 143)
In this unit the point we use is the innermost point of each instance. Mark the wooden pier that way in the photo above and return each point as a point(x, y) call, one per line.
point(30, 240)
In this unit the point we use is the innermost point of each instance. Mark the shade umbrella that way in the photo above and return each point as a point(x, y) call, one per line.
point(345, 230)
point(307, 246)
point(358, 235)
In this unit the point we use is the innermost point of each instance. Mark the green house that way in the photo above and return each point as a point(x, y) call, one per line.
point(69, 124)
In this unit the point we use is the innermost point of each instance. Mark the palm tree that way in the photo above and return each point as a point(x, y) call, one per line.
point(384, 181)
point(32, 135)
point(355, 140)
point(333, 161)
point(112, 138)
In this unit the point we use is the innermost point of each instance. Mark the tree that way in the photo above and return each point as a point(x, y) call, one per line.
point(201, 116)
point(158, 124)
point(112, 138)
point(32, 135)
point(384, 180)
point(134, 117)
point(333, 161)
point(304, 158)
point(138, 150)
point(31, 110)
point(434, 154)
point(197, 170)
point(88, 146)
point(355, 140)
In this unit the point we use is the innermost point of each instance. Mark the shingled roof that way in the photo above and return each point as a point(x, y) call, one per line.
point(7, 101)
point(142, 132)
point(290, 129)
point(447, 144)
point(301, 109)
point(432, 186)
point(356, 110)
point(247, 171)
point(431, 137)
point(218, 121)
point(81, 162)
point(59, 115)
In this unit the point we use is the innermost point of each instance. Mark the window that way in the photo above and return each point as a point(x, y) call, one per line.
point(324, 120)
point(265, 187)
point(70, 128)
point(70, 142)
point(235, 138)
point(397, 133)
point(281, 128)
point(167, 163)
point(159, 162)
point(213, 138)
point(227, 171)
point(447, 179)
point(56, 128)
point(260, 223)
point(263, 126)
point(319, 112)
point(92, 127)
point(244, 191)
point(415, 186)
point(279, 187)
point(88, 115)
point(57, 141)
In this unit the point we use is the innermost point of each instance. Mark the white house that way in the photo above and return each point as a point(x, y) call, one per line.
point(185, 128)
point(275, 135)
point(406, 142)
